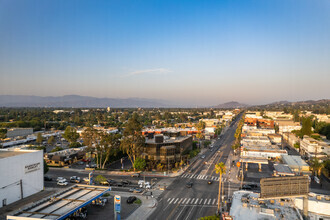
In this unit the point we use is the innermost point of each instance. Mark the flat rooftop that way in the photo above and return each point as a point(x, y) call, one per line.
point(294, 161)
point(168, 140)
point(62, 204)
point(245, 205)
point(4, 153)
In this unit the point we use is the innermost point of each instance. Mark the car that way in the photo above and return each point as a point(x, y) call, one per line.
point(93, 165)
point(135, 175)
point(80, 163)
point(246, 187)
point(111, 182)
point(203, 156)
point(75, 179)
point(316, 179)
point(209, 182)
point(126, 182)
point(136, 190)
point(47, 178)
point(120, 184)
point(105, 183)
point(131, 199)
point(211, 150)
point(86, 179)
point(189, 184)
point(62, 183)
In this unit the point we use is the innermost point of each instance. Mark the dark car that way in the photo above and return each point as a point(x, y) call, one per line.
point(111, 182)
point(131, 199)
point(47, 178)
point(246, 187)
point(189, 184)
point(118, 184)
point(126, 182)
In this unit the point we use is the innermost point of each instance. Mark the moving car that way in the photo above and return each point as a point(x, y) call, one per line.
point(189, 184)
point(60, 178)
point(62, 183)
point(75, 179)
point(131, 199)
point(209, 182)
point(47, 178)
point(203, 156)
point(136, 190)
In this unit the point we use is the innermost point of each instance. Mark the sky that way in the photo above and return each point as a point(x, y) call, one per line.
point(188, 51)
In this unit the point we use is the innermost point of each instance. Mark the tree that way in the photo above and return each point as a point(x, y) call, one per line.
point(100, 179)
point(306, 128)
point(51, 140)
point(70, 134)
point(3, 133)
point(200, 126)
point(316, 166)
point(39, 138)
point(140, 164)
point(46, 168)
point(220, 169)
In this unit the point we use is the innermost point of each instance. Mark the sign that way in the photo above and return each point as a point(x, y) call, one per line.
point(117, 203)
point(32, 167)
point(238, 164)
point(90, 176)
point(282, 187)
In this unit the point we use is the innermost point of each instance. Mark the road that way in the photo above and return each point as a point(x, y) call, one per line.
point(180, 202)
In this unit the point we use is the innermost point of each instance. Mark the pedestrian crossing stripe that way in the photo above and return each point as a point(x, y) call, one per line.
point(200, 177)
point(192, 201)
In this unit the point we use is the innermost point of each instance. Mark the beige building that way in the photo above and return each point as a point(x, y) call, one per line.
point(312, 148)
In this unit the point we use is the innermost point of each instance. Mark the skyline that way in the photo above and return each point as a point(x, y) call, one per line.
point(205, 53)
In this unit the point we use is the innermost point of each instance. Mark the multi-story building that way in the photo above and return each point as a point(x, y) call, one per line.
point(166, 150)
point(287, 126)
point(21, 174)
point(312, 148)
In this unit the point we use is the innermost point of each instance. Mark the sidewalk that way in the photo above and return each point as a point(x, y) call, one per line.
point(147, 207)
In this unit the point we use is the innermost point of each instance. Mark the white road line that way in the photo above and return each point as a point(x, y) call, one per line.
point(184, 200)
point(201, 201)
point(180, 213)
point(205, 201)
point(175, 201)
point(168, 199)
point(188, 201)
point(214, 201)
point(172, 200)
point(212, 177)
point(209, 201)
point(190, 176)
point(192, 201)
point(180, 200)
point(196, 201)
point(190, 212)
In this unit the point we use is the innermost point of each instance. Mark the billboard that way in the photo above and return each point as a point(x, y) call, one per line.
point(280, 187)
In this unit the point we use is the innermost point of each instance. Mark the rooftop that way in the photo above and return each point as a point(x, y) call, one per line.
point(62, 204)
point(4, 153)
point(168, 140)
point(292, 160)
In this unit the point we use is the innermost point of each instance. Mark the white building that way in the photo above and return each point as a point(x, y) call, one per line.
point(287, 125)
point(22, 174)
point(311, 147)
point(318, 206)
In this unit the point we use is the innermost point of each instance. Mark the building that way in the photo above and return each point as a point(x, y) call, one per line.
point(296, 164)
point(283, 170)
point(211, 122)
point(246, 205)
point(165, 150)
point(65, 157)
point(22, 174)
point(19, 132)
point(275, 138)
point(318, 206)
point(312, 148)
point(262, 151)
point(291, 139)
point(287, 126)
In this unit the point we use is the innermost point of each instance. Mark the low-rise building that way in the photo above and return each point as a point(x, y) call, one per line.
point(291, 139)
point(166, 150)
point(312, 148)
point(318, 206)
point(65, 157)
point(21, 174)
point(296, 164)
point(275, 138)
point(19, 132)
point(287, 126)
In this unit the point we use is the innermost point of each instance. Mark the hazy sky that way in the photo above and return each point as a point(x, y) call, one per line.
point(198, 52)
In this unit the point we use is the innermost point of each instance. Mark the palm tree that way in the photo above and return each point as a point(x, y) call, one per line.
point(316, 166)
point(220, 169)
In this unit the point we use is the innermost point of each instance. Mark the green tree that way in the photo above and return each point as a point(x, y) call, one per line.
point(306, 128)
point(39, 138)
point(51, 140)
point(70, 134)
point(3, 133)
point(140, 164)
point(316, 166)
point(100, 179)
point(220, 169)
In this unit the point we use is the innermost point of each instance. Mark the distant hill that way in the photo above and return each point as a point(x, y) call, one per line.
point(76, 101)
point(231, 105)
point(300, 103)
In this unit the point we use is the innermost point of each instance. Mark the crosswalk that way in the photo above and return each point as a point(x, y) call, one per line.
point(192, 201)
point(200, 177)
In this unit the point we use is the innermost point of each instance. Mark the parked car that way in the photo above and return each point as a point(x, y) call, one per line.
point(60, 178)
point(135, 175)
point(62, 183)
point(111, 182)
point(136, 190)
point(246, 187)
point(131, 199)
point(80, 163)
point(120, 184)
point(47, 178)
point(93, 165)
point(105, 183)
point(189, 184)
point(126, 182)
point(203, 156)
point(75, 179)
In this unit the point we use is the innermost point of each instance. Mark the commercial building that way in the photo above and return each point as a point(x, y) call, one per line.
point(262, 151)
point(21, 174)
point(287, 126)
point(246, 205)
point(65, 157)
point(19, 132)
point(65, 204)
point(296, 164)
point(291, 139)
point(165, 150)
point(318, 206)
point(312, 148)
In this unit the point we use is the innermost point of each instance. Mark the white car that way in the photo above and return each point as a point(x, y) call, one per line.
point(62, 183)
